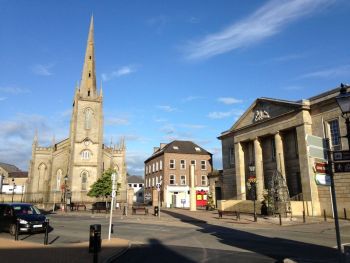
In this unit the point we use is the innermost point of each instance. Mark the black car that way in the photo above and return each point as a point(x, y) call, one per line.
point(29, 217)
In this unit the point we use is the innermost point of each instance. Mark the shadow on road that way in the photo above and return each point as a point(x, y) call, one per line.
point(276, 248)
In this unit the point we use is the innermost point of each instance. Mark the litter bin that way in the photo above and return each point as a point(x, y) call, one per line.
point(156, 210)
point(95, 238)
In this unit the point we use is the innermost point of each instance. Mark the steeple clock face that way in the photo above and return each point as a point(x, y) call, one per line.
point(86, 142)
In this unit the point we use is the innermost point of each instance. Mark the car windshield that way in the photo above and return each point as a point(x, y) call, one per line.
point(26, 210)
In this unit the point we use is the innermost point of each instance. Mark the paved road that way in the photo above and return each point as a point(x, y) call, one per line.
point(194, 241)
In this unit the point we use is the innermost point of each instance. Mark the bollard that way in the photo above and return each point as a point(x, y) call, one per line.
point(124, 211)
point(324, 215)
point(304, 219)
point(156, 210)
point(280, 217)
point(17, 229)
point(95, 241)
point(345, 214)
point(112, 231)
point(238, 216)
point(46, 237)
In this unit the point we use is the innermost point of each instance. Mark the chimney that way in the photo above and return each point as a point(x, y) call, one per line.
point(162, 145)
point(155, 149)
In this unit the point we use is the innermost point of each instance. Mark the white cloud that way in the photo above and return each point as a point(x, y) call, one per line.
point(191, 98)
point(13, 90)
point(225, 114)
point(166, 108)
point(342, 71)
point(117, 121)
point(193, 126)
point(122, 71)
point(229, 100)
point(267, 21)
point(42, 70)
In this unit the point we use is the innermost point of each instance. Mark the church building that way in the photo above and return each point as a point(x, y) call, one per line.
point(74, 164)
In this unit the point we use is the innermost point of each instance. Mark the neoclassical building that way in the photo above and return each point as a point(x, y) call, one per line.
point(78, 161)
point(271, 136)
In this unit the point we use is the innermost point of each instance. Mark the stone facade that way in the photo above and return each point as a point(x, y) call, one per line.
point(271, 136)
point(170, 166)
point(78, 161)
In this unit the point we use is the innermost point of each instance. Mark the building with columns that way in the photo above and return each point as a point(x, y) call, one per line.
point(75, 163)
point(271, 137)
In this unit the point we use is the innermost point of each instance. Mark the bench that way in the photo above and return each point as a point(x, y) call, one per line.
point(143, 209)
point(99, 206)
point(231, 213)
point(76, 206)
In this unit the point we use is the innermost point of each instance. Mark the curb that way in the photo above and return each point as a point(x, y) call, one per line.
point(117, 254)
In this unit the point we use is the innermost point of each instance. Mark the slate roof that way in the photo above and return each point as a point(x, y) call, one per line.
point(134, 179)
point(18, 174)
point(9, 167)
point(182, 147)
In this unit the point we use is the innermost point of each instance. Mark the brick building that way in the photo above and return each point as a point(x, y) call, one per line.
point(169, 166)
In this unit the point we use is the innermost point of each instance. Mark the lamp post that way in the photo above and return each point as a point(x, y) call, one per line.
point(252, 182)
point(343, 100)
point(13, 189)
point(65, 192)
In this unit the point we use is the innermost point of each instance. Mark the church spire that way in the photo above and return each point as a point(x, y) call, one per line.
point(88, 78)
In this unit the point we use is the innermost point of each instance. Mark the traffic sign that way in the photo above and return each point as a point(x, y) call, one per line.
point(113, 194)
point(321, 167)
point(323, 179)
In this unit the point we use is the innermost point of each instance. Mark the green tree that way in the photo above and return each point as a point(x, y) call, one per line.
point(103, 186)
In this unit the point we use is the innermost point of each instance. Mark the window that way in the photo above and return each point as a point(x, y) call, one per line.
point(232, 155)
point(140, 194)
point(84, 180)
point(85, 155)
point(175, 147)
point(193, 162)
point(149, 182)
point(153, 168)
point(204, 180)
point(273, 149)
point(203, 164)
point(149, 169)
point(140, 185)
point(160, 165)
point(59, 177)
point(157, 180)
point(182, 164)
point(153, 181)
point(172, 164)
point(157, 166)
point(160, 179)
point(183, 180)
point(135, 185)
point(335, 134)
point(172, 179)
point(88, 115)
point(146, 169)
point(197, 149)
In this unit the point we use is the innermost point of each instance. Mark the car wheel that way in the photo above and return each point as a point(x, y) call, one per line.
point(12, 229)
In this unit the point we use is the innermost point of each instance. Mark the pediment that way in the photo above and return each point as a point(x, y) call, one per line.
point(264, 109)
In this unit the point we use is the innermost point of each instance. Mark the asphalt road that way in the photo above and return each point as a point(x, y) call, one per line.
point(193, 241)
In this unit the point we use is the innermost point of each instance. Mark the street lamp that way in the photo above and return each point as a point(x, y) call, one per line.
point(343, 100)
point(65, 192)
point(13, 189)
point(252, 182)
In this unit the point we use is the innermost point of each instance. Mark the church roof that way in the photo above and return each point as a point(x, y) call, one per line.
point(134, 179)
point(18, 174)
point(9, 167)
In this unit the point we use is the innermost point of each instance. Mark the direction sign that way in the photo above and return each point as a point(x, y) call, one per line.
point(317, 147)
point(113, 193)
point(342, 167)
point(323, 179)
point(341, 155)
point(321, 167)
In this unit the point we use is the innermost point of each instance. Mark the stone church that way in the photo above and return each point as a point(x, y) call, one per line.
point(75, 163)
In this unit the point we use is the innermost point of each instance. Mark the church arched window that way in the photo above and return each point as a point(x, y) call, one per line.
point(88, 117)
point(58, 179)
point(85, 155)
point(84, 176)
point(41, 177)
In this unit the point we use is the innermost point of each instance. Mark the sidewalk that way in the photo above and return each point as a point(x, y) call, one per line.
point(21, 251)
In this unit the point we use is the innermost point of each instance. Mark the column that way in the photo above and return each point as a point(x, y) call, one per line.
point(240, 172)
point(280, 154)
point(259, 170)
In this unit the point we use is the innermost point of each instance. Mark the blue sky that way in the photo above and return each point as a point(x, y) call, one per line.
point(170, 69)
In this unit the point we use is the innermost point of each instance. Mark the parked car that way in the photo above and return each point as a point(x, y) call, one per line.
point(30, 218)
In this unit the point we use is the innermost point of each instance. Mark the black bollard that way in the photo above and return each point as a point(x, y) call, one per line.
point(280, 217)
point(17, 229)
point(304, 219)
point(238, 215)
point(124, 211)
point(112, 231)
point(324, 215)
point(345, 214)
point(46, 237)
point(95, 241)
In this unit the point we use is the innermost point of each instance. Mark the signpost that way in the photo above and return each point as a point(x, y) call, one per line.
point(113, 177)
point(322, 175)
point(158, 190)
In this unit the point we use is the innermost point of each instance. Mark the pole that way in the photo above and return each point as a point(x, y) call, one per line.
point(158, 202)
point(113, 177)
point(334, 200)
point(193, 206)
point(347, 122)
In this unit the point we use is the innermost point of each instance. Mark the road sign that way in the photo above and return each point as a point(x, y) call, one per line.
point(113, 193)
point(158, 186)
point(341, 155)
point(321, 167)
point(323, 179)
point(342, 167)
point(317, 147)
